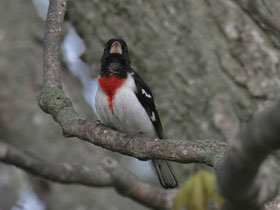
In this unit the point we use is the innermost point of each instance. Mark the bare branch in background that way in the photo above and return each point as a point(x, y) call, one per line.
point(108, 174)
point(237, 174)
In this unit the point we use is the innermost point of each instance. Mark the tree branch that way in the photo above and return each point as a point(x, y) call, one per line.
point(237, 174)
point(54, 102)
point(52, 40)
point(109, 174)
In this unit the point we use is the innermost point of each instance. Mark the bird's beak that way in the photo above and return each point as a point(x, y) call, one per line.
point(116, 48)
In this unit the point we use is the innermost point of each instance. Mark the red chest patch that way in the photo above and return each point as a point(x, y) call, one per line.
point(110, 85)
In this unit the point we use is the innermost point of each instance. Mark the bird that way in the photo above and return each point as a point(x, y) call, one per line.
point(123, 101)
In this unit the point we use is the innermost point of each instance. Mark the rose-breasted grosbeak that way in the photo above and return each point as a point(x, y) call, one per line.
point(123, 101)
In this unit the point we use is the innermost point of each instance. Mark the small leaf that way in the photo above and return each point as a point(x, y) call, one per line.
point(197, 191)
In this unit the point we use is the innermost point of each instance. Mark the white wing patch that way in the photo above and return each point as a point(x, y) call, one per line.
point(146, 94)
point(153, 117)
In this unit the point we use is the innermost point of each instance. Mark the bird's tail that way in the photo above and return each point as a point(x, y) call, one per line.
point(165, 174)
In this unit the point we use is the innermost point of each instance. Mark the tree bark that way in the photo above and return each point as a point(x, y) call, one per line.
point(218, 64)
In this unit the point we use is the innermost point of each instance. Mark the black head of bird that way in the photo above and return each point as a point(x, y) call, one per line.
point(115, 58)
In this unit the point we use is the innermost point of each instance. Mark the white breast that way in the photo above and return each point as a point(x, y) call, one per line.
point(129, 115)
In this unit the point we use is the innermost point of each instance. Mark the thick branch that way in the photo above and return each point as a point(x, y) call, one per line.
point(237, 174)
point(54, 102)
point(109, 174)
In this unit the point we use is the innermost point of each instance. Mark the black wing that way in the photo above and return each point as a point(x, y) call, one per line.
point(145, 97)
